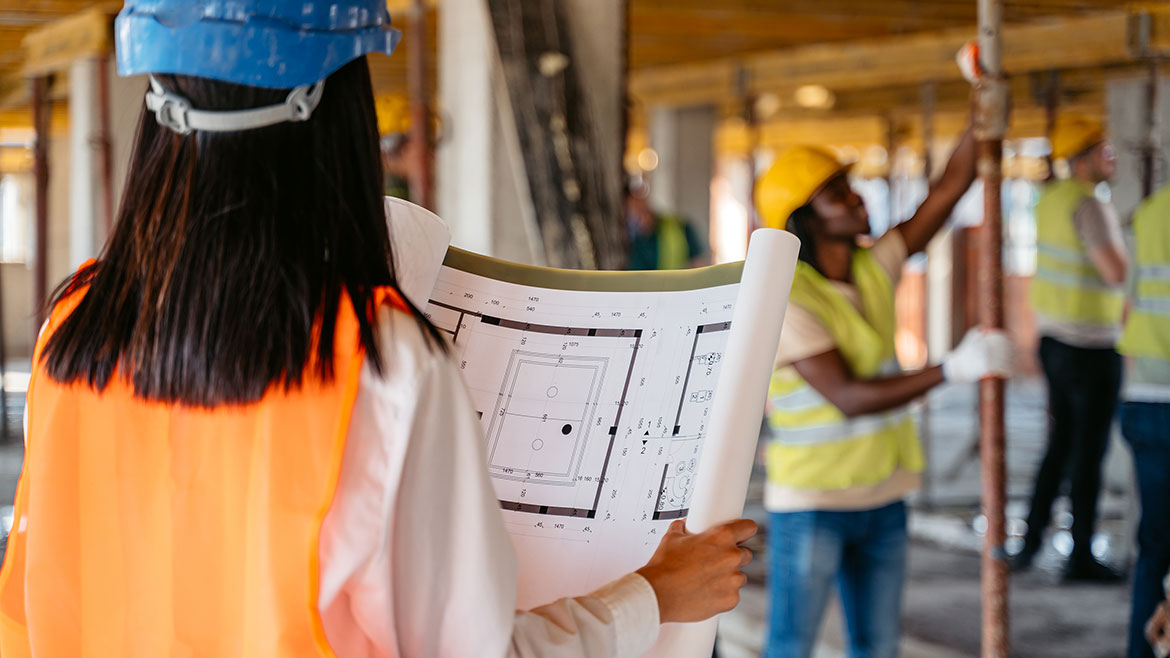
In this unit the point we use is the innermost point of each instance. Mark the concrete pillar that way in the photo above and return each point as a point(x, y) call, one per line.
point(939, 289)
point(683, 138)
point(84, 160)
point(467, 69)
point(1126, 107)
point(482, 185)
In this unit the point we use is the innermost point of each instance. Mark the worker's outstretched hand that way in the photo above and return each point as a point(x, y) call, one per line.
point(697, 576)
point(981, 353)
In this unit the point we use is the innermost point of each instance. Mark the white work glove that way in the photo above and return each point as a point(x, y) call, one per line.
point(981, 353)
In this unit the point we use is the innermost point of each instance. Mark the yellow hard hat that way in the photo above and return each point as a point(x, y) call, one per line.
point(1073, 134)
point(792, 180)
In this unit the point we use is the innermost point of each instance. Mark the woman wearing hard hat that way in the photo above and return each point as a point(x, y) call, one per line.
point(242, 440)
point(845, 451)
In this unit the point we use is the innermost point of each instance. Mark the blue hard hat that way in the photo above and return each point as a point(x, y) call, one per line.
point(262, 43)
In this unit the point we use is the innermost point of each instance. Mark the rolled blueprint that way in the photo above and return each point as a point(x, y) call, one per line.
point(722, 480)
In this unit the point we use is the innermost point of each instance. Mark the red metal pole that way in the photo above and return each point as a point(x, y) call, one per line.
point(422, 174)
point(1150, 147)
point(40, 109)
point(990, 127)
point(105, 143)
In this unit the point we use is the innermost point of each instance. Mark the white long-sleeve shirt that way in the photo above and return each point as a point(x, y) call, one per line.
point(415, 560)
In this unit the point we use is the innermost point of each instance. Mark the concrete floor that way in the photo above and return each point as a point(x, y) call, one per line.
point(941, 616)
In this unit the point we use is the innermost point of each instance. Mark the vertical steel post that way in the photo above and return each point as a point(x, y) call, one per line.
point(422, 174)
point(1051, 106)
point(927, 171)
point(1150, 145)
point(891, 160)
point(105, 146)
point(990, 127)
point(41, 109)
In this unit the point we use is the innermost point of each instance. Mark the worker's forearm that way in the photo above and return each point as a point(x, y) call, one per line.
point(940, 202)
point(960, 170)
point(867, 396)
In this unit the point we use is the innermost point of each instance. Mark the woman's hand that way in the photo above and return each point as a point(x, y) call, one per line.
point(697, 576)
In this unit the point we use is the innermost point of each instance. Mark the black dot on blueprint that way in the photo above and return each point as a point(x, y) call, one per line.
point(566, 429)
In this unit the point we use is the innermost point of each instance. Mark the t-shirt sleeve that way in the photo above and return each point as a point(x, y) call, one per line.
point(890, 253)
point(802, 336)
point(1098, 225)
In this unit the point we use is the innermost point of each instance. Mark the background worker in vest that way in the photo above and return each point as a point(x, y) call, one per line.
point(845, 451)
point(1145, 407)
point(660, 241)
point(242, 440)
point(1078, 299)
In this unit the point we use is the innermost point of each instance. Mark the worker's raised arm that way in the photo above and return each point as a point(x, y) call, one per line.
point(940, 201)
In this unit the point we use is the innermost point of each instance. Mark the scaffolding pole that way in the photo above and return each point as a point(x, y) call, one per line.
point(422, 173)
point(1150, 145)
point(40, 110)
point(990, 127)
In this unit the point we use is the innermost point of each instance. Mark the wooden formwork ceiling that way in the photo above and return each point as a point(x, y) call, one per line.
point(664, 32)
point(703, 51)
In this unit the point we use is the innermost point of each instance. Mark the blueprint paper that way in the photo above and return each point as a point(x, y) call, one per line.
point(604, 396)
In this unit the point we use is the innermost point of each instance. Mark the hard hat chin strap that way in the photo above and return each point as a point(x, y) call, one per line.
point(175, 112)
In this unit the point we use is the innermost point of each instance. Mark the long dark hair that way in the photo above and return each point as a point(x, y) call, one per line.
point(800, 223)
point(232, 250)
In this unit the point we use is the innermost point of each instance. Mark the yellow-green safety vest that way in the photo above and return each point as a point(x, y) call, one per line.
point(1147, 330)
point(816, 447)
point(1067, 287)
point(674, 252)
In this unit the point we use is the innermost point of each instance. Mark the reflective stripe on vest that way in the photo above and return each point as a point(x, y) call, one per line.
point(150, 529)
point(815, 445)
point(1147, 329)
point(1067, 287)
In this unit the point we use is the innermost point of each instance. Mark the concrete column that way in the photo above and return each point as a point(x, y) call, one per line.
point(482, 186)
point(939, 287)
point(1126, 107)
point(683, 138)
point(84, 159)
point(467, 67)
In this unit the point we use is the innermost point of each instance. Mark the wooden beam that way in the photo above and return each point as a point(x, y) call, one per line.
point(54, 47)
point(1101, 39)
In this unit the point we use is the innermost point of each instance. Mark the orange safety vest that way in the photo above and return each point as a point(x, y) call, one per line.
point(151, 529)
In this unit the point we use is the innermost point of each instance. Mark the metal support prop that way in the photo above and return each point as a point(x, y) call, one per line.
point(990, 127)
point(927, 171)
point(422, 174)
point(105, 145)
point(1150, 145)
point(891, 160)
point(40, 109)
point(1051, 106)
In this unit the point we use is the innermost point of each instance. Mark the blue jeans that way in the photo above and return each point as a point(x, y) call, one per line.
point(1146, 426)
point(864, 552)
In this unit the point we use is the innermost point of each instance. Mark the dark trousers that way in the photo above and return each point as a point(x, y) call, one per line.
point(1146, 427)
point(1083, 385)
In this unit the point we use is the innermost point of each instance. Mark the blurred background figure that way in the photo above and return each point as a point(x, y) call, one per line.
point(1145, 408)
point(660, 241)
point(1078, 298)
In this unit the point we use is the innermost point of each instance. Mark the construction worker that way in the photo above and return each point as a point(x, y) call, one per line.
point(660, 241)
point(1077, 297)
point(1145, 407)
point(845, 451)
point(242, 440)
